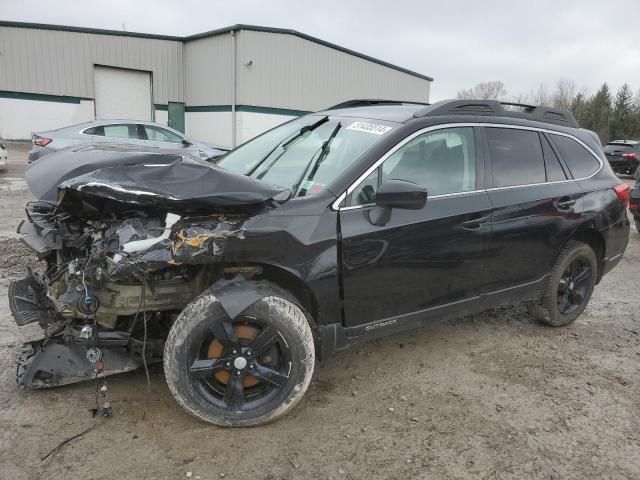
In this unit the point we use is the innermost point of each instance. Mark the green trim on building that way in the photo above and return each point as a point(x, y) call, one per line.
point(212, 33)
point(41, 97)
point(271, 110)
point(247, 108)
point(208, 108)
point(158, 106)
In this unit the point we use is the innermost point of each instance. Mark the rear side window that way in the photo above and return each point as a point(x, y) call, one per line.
point(99, 130)
point(516, 157)
point(580, 161)
point(121, 131)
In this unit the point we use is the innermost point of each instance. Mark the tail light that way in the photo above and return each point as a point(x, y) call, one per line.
point(41, 141)
point(630, 156)
point(622, 190)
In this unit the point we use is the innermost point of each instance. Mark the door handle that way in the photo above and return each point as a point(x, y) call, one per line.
point(565, 203)
point(474, 223)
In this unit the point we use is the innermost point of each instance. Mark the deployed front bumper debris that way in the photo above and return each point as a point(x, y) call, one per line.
point(52, 364)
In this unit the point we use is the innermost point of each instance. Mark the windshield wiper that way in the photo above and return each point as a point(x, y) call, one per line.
point(302, 131)
point(305, 129)
point(324, 151)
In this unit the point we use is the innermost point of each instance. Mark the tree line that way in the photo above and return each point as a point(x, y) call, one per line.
point(612, 117)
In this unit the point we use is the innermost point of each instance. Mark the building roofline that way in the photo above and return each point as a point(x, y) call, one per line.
point(213, 33)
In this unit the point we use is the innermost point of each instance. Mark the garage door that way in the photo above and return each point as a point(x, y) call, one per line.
point(122, 93)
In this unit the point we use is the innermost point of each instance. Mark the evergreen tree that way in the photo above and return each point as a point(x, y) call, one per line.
point(600, 113)
point(580, 109)
point(622, 122)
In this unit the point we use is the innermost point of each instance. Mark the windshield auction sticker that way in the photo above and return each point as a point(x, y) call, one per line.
point(369, 128)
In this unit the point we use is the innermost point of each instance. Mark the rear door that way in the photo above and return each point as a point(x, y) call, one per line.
point(422, 261)
point(536, 205)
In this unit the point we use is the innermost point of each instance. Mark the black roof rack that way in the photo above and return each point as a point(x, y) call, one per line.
point(367, 102)
point(497, 109)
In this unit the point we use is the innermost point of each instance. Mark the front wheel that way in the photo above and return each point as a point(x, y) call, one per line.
point(241, 372)
point(572, 280)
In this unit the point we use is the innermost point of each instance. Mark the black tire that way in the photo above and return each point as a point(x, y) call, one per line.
point(637, 220)
point(198, 383)
point(570, 286)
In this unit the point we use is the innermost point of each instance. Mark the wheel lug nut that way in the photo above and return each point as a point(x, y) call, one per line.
point(238, 372)
point(228, 364)
point(235, 352)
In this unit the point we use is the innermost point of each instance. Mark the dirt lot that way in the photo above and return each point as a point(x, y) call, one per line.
point(490, 396)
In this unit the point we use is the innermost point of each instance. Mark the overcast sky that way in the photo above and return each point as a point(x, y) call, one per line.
point(458, 42)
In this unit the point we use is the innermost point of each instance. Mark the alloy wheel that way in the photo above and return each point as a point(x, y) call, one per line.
point(574, 286)
point(242, 365)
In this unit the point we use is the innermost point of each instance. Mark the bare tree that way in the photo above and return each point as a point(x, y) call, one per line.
point(521, 98)
point(491, 90)
point(564, 94)
point(540, 96)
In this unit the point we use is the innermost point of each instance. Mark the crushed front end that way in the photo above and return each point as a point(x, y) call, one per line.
point(119, 265)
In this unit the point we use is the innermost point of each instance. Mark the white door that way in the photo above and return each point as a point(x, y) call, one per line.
point(122, 93)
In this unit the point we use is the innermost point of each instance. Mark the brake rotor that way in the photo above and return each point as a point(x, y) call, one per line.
point(244, 333)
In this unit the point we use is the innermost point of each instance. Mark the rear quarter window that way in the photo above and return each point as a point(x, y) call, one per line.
point(579, 160)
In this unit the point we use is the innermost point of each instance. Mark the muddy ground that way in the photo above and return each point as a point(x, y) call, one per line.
point(490, 396)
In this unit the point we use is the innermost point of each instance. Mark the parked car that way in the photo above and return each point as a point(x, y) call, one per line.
point(44, 176)
point(337, 227)
point(133, 132)
point(4, 157)
point(623, 156)
point(634, 204)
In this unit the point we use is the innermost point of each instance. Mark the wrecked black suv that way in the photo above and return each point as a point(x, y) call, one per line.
point(337, 227)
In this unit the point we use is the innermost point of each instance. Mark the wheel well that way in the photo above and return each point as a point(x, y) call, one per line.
point(595, 240)
point(292, 283)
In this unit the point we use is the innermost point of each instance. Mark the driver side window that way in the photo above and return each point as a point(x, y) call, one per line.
point(442, 161)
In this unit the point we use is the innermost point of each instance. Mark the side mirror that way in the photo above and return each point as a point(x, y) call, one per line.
point(186, 142)
point(396, 194)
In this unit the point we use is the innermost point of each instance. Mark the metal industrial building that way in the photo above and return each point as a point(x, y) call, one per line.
point(223, 86)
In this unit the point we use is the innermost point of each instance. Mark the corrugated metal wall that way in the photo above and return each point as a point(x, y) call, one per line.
point(291, 72)
point(61, 63)
point(208, 71)
point(285, 71)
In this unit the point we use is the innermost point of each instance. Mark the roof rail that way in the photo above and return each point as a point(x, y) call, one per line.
point(367, 102)
point(495, 108)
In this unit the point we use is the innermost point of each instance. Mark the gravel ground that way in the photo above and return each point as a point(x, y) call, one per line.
point(490, 396)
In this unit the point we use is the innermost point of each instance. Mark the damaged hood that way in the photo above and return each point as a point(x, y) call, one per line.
point(45, 175)
point(183, 184)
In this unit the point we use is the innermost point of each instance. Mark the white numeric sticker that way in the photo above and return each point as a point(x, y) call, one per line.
point(369, 128)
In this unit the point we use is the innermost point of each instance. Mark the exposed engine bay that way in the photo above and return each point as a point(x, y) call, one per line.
point(122, 260)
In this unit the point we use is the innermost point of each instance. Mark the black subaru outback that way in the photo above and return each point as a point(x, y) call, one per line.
point(335, 228)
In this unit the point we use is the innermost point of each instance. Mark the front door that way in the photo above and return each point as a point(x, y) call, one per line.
point(422, 261)
point(176, 116)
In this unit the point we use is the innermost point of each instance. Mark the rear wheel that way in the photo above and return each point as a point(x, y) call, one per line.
point(570, 286)
point(241, 372)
